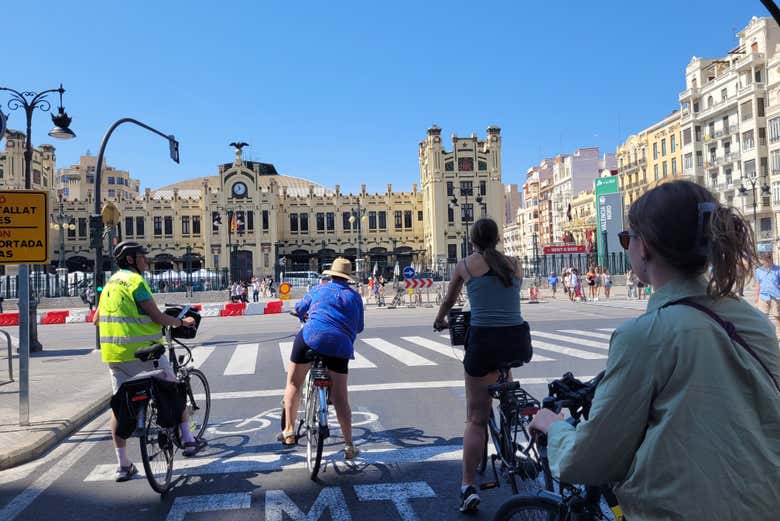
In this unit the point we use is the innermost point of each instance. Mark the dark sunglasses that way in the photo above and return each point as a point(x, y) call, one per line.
point(625, 238)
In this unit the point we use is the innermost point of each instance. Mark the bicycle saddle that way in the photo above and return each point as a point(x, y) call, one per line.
point(150, 353)
point(311, 355)
point(513, 363)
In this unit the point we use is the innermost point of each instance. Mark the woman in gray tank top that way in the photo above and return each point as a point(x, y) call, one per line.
point(493, 286)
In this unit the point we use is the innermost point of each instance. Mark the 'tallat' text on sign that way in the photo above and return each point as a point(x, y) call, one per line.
point(24, 229)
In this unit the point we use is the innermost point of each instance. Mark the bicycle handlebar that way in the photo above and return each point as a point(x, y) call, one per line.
point(570, 393)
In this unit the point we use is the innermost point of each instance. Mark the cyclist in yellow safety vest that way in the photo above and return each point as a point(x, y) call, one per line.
point(128, 319)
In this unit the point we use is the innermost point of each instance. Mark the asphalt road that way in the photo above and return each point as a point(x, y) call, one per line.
point(408, 410)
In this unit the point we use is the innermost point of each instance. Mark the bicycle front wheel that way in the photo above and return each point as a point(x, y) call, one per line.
point(156, 452)
point(317, 432)
point(198, 402)
point(530, 508)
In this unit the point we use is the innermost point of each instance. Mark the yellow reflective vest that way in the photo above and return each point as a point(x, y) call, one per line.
point(123, 327)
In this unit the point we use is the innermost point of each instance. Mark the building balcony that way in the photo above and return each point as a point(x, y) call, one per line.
point(753, 58)
point(766, 235)
point(688, 94)
point(751, 89)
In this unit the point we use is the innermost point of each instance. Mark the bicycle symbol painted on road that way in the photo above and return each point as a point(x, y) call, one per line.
point(272, 416)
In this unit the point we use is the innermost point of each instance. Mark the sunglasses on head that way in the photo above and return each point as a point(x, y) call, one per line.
point(625, 238)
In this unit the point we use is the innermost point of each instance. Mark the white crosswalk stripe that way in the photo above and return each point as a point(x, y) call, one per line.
point(566, 342)
point(404, 356)
point(607, 329)
point(243, 360)
point(360, 362)
point(438, 347)
point(590, 334)
point(570, 339)
point(569, 351)
point(285, 349)
point(201, 354)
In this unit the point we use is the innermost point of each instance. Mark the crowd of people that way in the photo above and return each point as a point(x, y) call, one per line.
point(258, 287)
point(581, 288)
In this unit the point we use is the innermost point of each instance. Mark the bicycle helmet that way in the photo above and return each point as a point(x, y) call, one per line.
point(125, 249)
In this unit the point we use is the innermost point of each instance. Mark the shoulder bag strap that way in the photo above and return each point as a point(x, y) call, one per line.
point(730, 330)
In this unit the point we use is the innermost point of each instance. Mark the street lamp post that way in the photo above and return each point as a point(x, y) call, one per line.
point(61, 221)
point(358, 215)
point(536, 254)
point(96, 222)
point(29, 101)
point(753, 180)
point(467, 213)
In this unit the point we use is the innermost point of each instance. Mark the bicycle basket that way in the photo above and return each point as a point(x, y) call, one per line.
point(459, 324)
point(184, 332)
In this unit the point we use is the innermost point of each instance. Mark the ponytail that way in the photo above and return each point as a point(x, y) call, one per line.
point(484, 235)
point(732, 254)
point(687, 226)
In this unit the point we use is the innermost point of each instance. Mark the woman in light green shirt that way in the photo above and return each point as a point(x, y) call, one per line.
point(686, 422)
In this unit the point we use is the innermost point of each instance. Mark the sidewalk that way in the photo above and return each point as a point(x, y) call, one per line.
point(67, 387)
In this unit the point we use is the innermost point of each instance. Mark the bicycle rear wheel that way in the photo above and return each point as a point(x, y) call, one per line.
point(198, 402)
point(530, 508)
point(156, 452)
point(317, 432)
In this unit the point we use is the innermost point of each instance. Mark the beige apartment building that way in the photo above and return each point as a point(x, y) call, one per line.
point(250, 219)
point(649, 157)
point(724, 123)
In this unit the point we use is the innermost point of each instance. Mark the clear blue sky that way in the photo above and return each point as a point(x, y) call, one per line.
point(342, 92)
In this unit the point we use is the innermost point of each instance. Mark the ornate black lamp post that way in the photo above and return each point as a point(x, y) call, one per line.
point(753, 180)
point(466, 214)
point(359, 215)
point(29, 101)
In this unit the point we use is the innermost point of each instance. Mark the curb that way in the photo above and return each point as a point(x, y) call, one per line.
point(38, 446)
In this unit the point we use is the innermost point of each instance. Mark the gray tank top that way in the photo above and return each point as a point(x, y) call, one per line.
point(492, 303)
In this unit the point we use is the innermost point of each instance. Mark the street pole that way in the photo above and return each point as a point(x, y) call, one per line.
point(98, 272)
point(28, 325)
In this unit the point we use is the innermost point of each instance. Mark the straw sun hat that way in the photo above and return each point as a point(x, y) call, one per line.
point(341, 267)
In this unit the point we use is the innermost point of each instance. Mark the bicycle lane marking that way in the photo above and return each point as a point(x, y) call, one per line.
point(390, 386)
point(278, 506)
point(24, 499)
point(253, 461)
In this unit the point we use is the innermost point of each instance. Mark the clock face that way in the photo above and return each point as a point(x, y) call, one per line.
point(239, 189)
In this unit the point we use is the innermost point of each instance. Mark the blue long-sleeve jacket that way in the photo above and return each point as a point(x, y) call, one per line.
point(335, 318)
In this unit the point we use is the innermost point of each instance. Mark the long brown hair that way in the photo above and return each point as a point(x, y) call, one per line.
point(691, 236)
point(484, 235)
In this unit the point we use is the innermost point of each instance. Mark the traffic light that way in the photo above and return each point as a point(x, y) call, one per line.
point(95, 230)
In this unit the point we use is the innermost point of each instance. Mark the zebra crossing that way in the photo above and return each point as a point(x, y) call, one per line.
point(408, 351)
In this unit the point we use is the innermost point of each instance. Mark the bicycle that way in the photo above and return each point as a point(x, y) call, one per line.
point(313, 414)
point(507, 426)
point(159, 443)
point(574, 502)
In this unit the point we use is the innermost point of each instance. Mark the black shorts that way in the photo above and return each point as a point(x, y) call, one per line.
point(298, 356)
point(488, 348)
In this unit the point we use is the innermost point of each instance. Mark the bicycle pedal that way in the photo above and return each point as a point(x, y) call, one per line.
point(489, 485)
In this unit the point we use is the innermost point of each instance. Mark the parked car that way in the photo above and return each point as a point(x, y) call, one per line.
point(430, 275)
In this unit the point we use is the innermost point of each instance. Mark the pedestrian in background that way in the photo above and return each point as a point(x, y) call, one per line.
point(630, 283)
point(607, 283)
point(767, 277)
point(552, 280)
